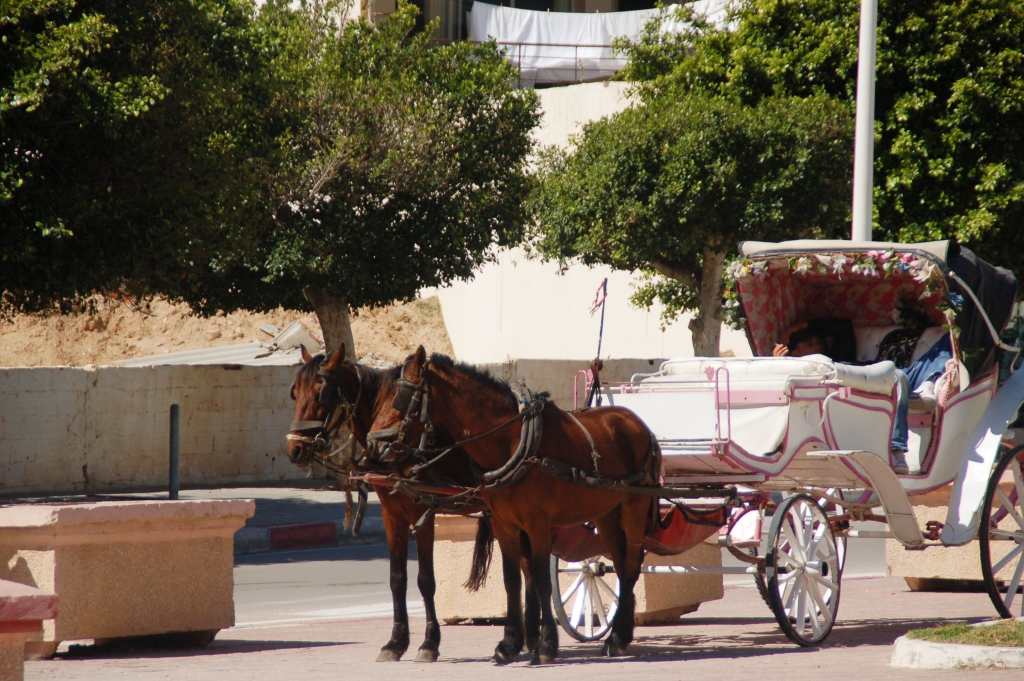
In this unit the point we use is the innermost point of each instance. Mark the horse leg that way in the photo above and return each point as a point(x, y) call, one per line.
point(532, 611)
point(425, 580)
point(540, 543)
point(398, 546)
point(623, 531)
point(512, 643)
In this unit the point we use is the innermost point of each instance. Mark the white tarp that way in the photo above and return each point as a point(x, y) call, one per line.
point(565, 47)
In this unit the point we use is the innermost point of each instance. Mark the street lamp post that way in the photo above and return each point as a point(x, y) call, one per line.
point(864, 142)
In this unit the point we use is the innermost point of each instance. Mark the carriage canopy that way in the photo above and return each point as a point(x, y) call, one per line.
point(874, 284)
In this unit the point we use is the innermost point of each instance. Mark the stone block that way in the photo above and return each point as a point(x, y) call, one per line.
point(946, 568)
point(22, 610)
point(659, 598)
point(131, 568)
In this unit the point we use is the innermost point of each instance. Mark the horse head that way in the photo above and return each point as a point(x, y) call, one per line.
point(323, 403)
point(401, 415)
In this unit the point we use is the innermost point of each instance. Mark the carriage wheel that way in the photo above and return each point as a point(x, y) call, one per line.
point(802, 570)
point(587, 605)
point(1003, 543)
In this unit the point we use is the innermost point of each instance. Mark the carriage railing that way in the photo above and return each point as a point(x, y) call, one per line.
point(720, 387)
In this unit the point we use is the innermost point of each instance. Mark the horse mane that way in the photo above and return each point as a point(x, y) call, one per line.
point(483, 377)
point(372, 381)
point(384, 381)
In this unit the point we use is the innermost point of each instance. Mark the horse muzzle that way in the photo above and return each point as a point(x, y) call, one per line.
point(381, 445)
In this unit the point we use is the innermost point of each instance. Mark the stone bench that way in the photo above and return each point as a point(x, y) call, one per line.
point(126, 568)
point(22, 611)
point(660, 599)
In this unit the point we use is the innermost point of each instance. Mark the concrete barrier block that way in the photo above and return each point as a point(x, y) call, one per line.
point(126, 568)
point(659, 598)
point(943, 568)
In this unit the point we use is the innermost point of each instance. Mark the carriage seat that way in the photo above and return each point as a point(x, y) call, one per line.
point(869, 338)
point(774, 372)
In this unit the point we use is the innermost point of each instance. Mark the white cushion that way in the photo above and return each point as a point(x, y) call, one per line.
point(696, 367)
point(868, 340)
point(870, 337)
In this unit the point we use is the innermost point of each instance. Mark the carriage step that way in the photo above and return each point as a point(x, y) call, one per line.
point(898, 511)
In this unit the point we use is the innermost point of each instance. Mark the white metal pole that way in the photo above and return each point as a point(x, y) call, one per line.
point(864, 143)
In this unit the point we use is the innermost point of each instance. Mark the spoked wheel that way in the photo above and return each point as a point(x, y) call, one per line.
point(585, 596)
point(1003, 542)
point(802, 570)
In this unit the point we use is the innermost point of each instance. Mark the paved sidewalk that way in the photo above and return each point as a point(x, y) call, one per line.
point(735, 638)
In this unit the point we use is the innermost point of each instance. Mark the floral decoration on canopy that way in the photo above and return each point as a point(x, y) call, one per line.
point(871, 288)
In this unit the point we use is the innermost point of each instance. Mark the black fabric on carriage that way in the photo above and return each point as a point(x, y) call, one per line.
point(996, 288)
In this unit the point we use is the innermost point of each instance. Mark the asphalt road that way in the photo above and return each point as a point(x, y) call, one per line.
point(352, 582)
point(317, 584)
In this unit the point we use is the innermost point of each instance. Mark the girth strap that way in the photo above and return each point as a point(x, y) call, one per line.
point(593, 448)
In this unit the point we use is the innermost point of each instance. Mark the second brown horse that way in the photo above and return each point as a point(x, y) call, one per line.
point(466, 402)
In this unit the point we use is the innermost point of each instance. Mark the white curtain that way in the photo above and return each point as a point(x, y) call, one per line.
point(564, 47)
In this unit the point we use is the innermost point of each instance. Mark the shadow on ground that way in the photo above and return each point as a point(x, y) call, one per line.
point(180, 646)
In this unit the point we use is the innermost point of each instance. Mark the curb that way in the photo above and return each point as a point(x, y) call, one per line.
point(921, 654)
point(250, 540)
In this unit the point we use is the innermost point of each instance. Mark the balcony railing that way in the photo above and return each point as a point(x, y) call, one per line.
point(560, 63)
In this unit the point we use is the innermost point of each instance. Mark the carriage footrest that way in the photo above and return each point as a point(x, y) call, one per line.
point(899, 512)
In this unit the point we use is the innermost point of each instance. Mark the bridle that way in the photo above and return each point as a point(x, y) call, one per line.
point(413, 402)
point(341, 409)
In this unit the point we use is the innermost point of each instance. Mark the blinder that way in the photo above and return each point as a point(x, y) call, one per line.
point(410, 400)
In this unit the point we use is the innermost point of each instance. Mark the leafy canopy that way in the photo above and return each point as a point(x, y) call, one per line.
point(128, 136)
point(408, 163)
point(662, 185)
point(227, 157)
point(949, 151)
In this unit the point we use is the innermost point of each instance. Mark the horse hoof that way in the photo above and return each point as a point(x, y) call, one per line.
point(542, 659)
point(500, 659)
point(611, 650)
point(388, 655)
point(426, 655)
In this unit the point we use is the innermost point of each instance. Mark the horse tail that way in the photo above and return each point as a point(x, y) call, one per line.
point(482, 552)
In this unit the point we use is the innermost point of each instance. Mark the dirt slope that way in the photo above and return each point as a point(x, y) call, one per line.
point(120, 331)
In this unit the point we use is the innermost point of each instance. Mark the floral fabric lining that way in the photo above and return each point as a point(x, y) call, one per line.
point(867, 288)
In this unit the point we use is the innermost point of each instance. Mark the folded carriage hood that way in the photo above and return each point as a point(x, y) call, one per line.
point(939, 250)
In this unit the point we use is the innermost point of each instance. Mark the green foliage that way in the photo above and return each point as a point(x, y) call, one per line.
point(949, 151)
point(407, 165)
point(659, 186)
point(227, 157)
point(127, 137)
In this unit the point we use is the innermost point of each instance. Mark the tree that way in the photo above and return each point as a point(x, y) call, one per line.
point(234, 159)
point(129, 138)
point(949, 147)
point(673, 185)
point(407, 164)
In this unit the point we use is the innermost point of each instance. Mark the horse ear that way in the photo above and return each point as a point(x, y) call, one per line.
point(335, 359)
point(421, 356)
point(304, 353)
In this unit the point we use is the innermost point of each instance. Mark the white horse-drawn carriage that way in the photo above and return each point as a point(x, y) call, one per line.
point(820, 430)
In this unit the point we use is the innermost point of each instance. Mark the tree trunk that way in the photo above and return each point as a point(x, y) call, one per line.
point(332, 313)
point(706, 327)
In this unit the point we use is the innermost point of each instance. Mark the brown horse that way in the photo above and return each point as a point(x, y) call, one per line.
point(330, 392)
point(466, 403)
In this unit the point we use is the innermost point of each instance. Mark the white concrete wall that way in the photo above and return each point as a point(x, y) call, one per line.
point(518, 308)
point(66, 429)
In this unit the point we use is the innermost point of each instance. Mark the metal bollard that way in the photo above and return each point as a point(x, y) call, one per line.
point(172, 492)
